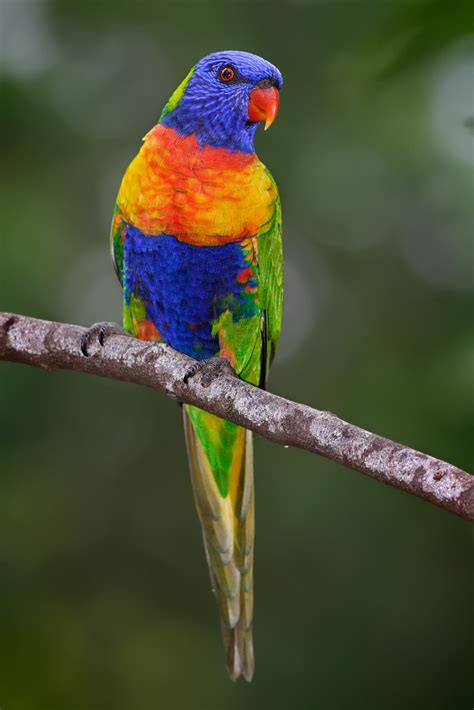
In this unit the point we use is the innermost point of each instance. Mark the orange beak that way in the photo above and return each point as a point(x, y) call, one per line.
point(263, 105)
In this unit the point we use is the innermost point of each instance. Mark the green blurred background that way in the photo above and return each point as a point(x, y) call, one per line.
point(363, 593)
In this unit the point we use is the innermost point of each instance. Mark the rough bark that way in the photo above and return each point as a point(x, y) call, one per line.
point(50, 345)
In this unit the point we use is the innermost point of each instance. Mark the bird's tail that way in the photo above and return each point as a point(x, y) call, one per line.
point(220, 458)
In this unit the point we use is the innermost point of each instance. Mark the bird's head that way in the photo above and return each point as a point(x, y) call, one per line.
point(224, 98)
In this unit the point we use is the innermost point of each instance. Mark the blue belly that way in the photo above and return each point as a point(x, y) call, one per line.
point(184, 288)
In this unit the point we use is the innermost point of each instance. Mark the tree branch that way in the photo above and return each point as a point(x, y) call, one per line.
point(52, 346)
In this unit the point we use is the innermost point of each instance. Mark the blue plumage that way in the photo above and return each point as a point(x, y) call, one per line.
point(184, 287)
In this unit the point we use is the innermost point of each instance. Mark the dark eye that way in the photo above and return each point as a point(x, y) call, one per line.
point(226, 74)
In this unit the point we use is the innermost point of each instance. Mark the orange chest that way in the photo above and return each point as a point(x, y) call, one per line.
point(204, 196)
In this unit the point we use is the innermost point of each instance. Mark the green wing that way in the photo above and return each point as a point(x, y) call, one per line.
point(270, 267)
point(117, 237)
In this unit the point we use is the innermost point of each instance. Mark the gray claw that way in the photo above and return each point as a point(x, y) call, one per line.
point(99, 332)
point(210, 369)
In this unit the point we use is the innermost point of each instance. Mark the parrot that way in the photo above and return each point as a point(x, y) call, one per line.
point(196, 243)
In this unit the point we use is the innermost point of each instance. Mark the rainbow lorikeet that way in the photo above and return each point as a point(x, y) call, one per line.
point(196, 243)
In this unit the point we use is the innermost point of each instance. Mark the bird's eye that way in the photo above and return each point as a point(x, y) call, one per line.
point(226, 74)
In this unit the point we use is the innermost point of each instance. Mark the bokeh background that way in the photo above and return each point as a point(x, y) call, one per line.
point(363, 594)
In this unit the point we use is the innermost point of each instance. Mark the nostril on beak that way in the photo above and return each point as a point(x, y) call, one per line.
point(265, 84)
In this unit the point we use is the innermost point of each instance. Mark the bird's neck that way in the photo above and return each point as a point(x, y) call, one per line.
point(212, 127)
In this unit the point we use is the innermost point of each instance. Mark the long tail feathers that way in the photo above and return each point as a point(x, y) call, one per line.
point(228, 530)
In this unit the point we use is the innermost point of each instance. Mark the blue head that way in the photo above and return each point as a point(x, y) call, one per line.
point(223, 99)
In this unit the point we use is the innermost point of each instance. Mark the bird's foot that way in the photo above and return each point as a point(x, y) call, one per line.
point(98, 334)
point(209, 369)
